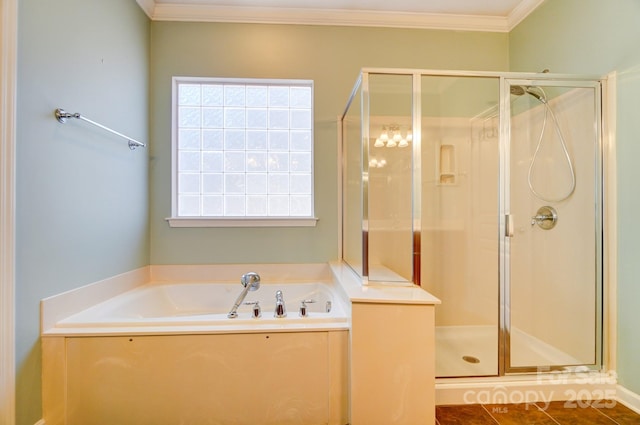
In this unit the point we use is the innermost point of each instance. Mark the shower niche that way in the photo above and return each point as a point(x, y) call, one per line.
point(443, 175)
point(446, 165)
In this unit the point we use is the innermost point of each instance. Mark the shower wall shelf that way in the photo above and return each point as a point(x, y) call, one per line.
point(446, 164)
point(62, 116)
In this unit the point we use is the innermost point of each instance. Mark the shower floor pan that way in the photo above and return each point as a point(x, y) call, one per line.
point(473, 351)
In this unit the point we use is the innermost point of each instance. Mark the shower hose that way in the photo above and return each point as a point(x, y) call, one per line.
point(542, 97)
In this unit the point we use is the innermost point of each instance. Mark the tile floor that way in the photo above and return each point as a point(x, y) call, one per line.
point(604, 412)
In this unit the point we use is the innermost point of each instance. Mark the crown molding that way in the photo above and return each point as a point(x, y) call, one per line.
point(521, 11)
point(148, 6)
point(198, 12)
point(304, 16)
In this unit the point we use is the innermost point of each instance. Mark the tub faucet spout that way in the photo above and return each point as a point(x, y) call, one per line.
point(251, 282)
point(281, 310)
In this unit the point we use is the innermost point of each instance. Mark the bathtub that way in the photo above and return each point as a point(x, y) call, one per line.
point(203, 306)
point(167, 353)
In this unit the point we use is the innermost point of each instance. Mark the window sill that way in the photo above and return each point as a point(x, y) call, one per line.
point(241, 222)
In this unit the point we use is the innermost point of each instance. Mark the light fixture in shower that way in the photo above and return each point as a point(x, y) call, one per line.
point(377, 163)
point(391, 137)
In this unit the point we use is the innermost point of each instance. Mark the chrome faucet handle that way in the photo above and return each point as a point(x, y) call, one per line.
point(256, 311)
point(280, 310)
point(303, 307)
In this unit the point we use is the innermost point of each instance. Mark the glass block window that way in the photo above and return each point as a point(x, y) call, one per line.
point(242, 148)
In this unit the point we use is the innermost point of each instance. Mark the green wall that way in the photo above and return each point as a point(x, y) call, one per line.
point(88, 208)
point(597, 37)
point(332, 57)
point(82, 196)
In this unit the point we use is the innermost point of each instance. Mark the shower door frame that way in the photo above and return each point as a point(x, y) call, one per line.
point(599, 83)
point(548, 80)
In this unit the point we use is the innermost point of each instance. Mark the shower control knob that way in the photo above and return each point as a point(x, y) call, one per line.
point(546, 218)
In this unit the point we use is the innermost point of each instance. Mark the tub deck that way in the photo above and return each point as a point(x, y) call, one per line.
point(173, 308)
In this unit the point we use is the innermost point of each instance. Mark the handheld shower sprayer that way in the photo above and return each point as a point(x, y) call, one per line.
point(251, 282)
point(536, 92)
point(539, 94)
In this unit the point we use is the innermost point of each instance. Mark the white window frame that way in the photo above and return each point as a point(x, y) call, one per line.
point(177, 220)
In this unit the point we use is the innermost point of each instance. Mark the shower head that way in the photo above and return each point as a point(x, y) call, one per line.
point(536, 92)
point(517, 90)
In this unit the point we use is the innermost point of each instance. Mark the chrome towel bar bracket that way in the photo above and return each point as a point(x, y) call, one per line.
point(62, 116)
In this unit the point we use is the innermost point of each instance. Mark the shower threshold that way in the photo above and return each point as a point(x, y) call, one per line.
point(473, 351)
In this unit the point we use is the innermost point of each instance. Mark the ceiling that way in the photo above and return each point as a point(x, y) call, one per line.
point(470, 15)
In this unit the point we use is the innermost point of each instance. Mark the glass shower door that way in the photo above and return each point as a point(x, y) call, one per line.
point(460, 226)
point(553, 242)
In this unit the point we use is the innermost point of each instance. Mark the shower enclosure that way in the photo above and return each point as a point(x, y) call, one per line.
point(485, 189)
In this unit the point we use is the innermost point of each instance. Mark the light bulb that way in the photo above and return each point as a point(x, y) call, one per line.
point(409, 136)
point(379, 143)
point(384, 136)
point(403, 143)
point(391, 143)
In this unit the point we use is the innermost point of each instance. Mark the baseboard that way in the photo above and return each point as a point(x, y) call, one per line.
point(40, 422)
point(628, 398)
point(524, 389)
point(503, 390)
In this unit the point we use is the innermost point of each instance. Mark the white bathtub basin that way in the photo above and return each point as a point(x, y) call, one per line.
point(207, 304)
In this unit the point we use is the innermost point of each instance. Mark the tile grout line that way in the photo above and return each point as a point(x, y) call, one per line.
point(487, 410)
point(605, 415)
point(546, 413)
point(550, 417)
